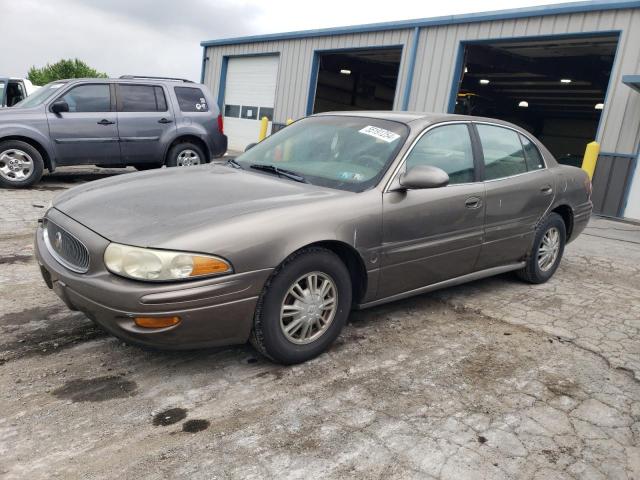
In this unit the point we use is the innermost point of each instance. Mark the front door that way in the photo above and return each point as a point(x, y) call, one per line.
point(144, 121)
point(431, 235)
point(519, 190)
point(88, 132)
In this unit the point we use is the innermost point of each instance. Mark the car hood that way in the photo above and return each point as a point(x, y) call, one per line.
point(148, 209)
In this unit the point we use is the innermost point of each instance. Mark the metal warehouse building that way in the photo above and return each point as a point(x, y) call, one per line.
point(568, 73)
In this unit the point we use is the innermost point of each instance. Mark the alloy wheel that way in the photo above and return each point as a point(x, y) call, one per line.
point(15, 165)
point(308, 308)
point(549, 249)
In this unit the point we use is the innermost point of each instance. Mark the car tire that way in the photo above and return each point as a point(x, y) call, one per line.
point(185, 154)
point(141, 167)
point(15, 154)
point(547, 251)
point(282, 304)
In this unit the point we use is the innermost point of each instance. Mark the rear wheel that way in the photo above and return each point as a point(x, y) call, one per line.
point(21, 164)
point(185, 154)
point(548, 247)
point(303, 307)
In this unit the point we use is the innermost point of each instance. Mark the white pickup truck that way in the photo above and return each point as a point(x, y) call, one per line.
point(12, 90)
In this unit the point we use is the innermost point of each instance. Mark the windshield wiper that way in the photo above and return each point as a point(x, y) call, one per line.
point(283, 172)
point(233, 163)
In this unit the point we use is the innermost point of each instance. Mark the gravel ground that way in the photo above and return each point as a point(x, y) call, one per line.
point(494, 379)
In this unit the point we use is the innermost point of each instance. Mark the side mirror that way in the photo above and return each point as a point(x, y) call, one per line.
point(59, 106)
point(424, 176)
point(249, 147)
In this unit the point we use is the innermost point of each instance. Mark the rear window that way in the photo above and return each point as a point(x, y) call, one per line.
point(191, 99)
point(141, 98)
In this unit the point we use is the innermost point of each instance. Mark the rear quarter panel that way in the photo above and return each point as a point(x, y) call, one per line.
point(573, 188)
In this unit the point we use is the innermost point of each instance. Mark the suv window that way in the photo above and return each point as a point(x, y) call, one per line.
point(191, 99)
point(89, 98)
point(531, 154)
point(141, 98)
point(449, 148)
point(503, 153)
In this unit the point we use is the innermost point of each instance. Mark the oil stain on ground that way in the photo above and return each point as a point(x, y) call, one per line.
point(169, 417)
point(195, 426)
point(96, 389)
point(11, 259)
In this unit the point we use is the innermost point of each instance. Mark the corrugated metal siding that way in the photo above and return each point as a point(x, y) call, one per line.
point(296, 57)
point(437, 59)
point(610, 182)
point(439, 46)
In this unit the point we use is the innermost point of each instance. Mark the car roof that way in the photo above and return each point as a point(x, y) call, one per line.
point(416, 117)
point(144, 80)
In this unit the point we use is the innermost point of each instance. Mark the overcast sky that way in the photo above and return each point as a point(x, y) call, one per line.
point(162, 37)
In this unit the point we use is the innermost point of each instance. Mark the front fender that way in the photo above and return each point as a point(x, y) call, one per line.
point(32, 133)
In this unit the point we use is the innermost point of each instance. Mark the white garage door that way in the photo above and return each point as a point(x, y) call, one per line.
point(249, 95)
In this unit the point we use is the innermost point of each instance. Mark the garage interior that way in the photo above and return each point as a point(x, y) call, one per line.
point(555, 88)
point(363, 79)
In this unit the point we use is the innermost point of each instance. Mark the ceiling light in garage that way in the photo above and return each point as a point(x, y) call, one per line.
point(599, 106)
point(484, 81)
point(523, 104)
point(344, 71)
point(565, 80)
point(466, 69)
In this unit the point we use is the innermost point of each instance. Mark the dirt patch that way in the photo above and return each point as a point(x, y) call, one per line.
point(97, 389)
point(195, 426)
point(29, 315)
point(11, 259)
point(169, 417)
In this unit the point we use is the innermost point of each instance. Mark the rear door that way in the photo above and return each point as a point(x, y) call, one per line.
point(88, 132)
point(434, 234)
point(519, 190)
point(146, 124)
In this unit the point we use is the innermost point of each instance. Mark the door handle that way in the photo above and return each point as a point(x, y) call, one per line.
point(104, 121)
point(165, 120)
point(546, 190)
point(472, 202)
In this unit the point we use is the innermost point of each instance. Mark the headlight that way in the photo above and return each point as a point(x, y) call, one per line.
point(161, 265)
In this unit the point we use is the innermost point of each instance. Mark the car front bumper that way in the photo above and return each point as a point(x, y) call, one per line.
point(213, 312)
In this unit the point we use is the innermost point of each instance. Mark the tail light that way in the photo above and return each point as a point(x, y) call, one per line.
point(220, 124)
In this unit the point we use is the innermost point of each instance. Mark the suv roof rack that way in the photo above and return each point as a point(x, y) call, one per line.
point(157, 78)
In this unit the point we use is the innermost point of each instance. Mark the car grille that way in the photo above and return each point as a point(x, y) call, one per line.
point(66, 248)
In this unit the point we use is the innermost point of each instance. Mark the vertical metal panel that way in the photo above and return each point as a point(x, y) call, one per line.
point(610, 182)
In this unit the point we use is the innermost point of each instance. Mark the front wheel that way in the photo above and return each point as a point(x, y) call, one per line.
point(548, 247)
point(185, 154)
point(21, 164)
point(303, 307)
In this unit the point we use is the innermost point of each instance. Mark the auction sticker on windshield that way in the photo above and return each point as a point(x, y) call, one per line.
point(380, 133)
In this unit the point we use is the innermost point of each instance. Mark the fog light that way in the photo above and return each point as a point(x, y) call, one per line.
point(156, 322)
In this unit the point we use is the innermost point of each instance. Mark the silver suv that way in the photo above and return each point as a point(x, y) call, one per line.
point(146, 122)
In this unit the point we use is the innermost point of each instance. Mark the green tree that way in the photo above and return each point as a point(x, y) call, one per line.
point(66, 68)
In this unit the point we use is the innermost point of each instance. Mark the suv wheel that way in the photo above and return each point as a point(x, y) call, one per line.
point(303, 307)
point(21, 165)
point(548, 247)
point(185, 154)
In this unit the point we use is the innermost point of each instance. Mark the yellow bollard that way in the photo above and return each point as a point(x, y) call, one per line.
point(264, 124)
point(591, 158)
point(289, 121)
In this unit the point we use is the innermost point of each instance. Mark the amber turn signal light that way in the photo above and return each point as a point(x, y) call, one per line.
point(156, 322)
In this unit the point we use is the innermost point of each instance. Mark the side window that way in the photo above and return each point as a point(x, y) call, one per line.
point(191, 99)
point(141, 98)
point(531, 154)
point(449, 148)
point(503, 153)
point(89, 98)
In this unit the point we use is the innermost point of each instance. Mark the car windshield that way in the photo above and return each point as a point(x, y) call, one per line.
point(40, 96)
point(347, 153)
